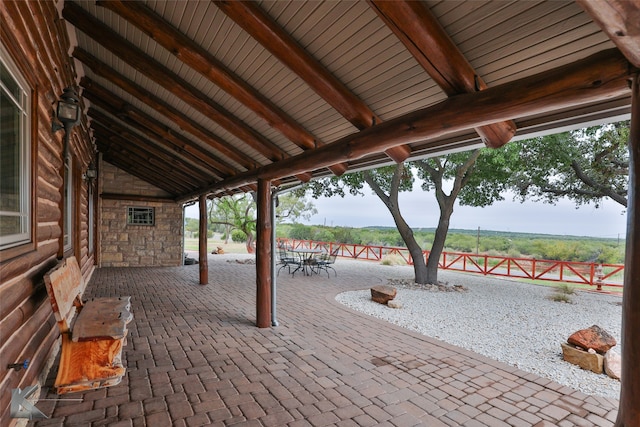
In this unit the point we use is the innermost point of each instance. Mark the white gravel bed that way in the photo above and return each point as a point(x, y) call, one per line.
point(508, 321)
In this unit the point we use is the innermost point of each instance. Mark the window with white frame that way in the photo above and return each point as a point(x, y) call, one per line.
point(15, 155)
point(140, 216)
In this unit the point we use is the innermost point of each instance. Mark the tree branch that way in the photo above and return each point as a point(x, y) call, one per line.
point(600, 189)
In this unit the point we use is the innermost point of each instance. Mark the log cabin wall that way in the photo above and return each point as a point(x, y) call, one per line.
point(123, 244)
point(34, 47)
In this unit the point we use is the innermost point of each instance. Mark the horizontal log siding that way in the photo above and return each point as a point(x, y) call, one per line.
point(37, 42)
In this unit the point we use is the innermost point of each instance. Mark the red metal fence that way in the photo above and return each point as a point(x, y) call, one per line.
point(585, 273)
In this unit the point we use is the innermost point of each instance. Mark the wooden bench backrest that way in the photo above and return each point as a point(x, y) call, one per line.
point(64, 283)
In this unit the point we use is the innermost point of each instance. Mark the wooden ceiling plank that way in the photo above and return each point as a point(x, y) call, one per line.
point(620, 20)
point(180, 119)
point(146, 149)
point(250, 17)
point(424, 37)
point(136, 145)
point(202, 61)
point(157, 72)
point(146, 124)
point(199, 167)
point(261, 27)
point(601, 76)
point(176, 142)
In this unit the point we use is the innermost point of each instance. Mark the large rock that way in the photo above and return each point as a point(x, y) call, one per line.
point(590, 361)
point(383, 294)
point(594, 337)
point(613, 364)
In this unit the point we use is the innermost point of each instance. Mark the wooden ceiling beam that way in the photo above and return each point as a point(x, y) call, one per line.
point(199, 168)
point(422, 34)
point(249, 16)
point(131, 143)
point(620, 20)
point(173, 83)
point(100, 96)
point(182, 120)
point(193, 55)
point(604, 75)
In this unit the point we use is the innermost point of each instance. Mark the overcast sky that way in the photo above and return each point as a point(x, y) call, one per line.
point(420, 210)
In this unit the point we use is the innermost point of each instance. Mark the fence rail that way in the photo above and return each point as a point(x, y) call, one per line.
point(584, 273)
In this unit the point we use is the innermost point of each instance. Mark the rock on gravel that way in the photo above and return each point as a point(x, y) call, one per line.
point(513, 322)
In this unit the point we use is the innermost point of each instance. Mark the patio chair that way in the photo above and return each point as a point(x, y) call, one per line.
point(285, 259)
point(325, 262)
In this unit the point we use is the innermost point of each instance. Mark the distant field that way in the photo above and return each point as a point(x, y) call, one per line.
point(493, 243)
point(191, 244)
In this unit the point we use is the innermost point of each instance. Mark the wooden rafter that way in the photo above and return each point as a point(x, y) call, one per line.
point(126, 141)
point(202, 61)
point(620, 20)
point(157, 72)
point(422, 34)
point(159, 147)
point(182, 120)
point(604, 75)
point(267, 32)
point(152, 128)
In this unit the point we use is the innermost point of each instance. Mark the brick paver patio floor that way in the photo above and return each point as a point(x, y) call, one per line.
point(194, 357)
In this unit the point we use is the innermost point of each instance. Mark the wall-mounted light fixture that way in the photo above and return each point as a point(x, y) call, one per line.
point(67, 114)
point(91, 173)
point(67, 110)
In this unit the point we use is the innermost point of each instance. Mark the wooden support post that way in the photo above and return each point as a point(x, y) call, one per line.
point(263, 255)
point(202, 241)
point(629, 410)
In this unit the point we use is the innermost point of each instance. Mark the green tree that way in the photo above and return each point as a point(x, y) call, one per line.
point(293, 206)
point(238, 212)
point(191, 225)
point(456, 171)
point(475, 178)
point(585, 166)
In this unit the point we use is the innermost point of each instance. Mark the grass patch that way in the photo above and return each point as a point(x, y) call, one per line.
point(191, 244)
point(393, 260)
point(562, 293)
point(574, 286)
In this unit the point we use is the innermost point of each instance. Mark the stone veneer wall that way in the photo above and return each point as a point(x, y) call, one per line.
point(123, 245)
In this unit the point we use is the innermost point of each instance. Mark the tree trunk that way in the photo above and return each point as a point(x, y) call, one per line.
point(438, 242)
point(391, 202)
point(419, 267)
point(445, 202)
point(249, 244)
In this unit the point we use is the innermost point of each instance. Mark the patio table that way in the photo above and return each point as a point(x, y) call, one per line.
point(306, 257)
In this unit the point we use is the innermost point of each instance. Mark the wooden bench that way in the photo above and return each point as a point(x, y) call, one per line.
point(91, 352)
